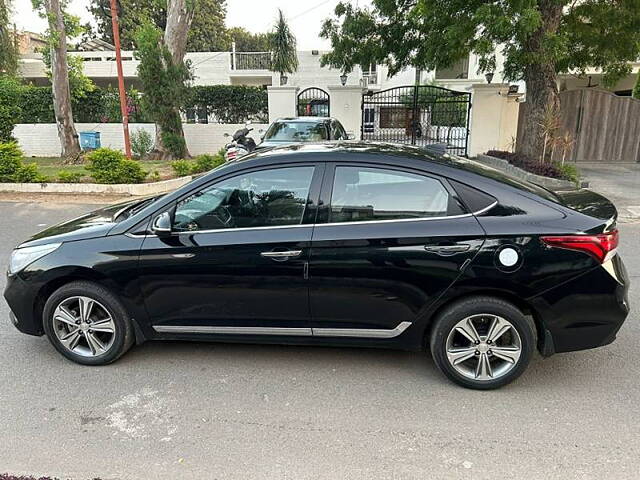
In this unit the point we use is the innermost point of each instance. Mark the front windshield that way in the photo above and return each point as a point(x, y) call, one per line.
point(296, 132)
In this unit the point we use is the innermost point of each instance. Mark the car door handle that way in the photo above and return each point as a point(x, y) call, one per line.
point(447, 249)
point(281, 255)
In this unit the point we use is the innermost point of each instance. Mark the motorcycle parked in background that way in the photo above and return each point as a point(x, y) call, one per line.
point(241, 144)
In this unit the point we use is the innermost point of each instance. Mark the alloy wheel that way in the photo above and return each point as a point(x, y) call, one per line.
point(483, 347)
point(84, 326)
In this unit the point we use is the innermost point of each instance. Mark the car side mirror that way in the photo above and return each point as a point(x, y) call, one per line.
point(161, 225)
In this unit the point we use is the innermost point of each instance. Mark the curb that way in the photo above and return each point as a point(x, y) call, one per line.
point(500, 164)
point(137, 189)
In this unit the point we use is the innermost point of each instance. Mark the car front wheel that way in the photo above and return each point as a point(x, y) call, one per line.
point(482, 342)
point(86, 323)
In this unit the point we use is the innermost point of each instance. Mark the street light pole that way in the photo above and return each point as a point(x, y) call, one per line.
point(123, 93)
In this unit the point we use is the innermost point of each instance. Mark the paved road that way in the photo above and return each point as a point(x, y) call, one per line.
point(205, 411)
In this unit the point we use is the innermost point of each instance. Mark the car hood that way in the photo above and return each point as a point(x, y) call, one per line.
point(91, 225)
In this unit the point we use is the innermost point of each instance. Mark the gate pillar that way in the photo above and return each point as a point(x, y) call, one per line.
point(346, 106)
point(494, 118)
point(282, 101)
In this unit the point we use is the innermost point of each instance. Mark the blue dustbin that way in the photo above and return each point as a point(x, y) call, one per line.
point(89, 140)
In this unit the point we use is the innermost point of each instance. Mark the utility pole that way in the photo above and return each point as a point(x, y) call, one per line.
point(122, 91)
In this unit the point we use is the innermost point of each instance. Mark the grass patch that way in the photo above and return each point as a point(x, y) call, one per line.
point(52, 166)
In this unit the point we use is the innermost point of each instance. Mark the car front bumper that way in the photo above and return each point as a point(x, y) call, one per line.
point(21, 298)
point(585, 312)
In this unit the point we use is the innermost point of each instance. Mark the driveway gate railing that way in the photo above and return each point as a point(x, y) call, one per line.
point(418, 115)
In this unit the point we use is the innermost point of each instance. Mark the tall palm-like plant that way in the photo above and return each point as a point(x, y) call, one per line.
point(284, 57)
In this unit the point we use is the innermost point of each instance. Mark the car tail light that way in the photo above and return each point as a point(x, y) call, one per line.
point(601, 247)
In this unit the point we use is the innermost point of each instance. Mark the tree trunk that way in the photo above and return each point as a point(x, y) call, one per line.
point(60, 84)
point(541, 80)
point(179, 16)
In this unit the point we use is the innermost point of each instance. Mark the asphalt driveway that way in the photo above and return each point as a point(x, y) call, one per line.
point(620, 182)
point(214, 411)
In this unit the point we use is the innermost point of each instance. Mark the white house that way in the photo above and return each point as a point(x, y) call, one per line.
point(251, 68)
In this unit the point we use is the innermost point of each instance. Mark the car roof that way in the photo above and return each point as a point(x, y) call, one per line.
point(432, 159)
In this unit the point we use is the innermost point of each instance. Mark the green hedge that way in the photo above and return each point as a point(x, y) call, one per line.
point(226, 103)
point(101, 105)
point(229, 103)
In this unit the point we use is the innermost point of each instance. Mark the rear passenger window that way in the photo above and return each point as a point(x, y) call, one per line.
point(365, 194)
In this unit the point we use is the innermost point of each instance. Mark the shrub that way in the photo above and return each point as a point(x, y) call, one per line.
point(206, 162)
point(569, 171)
point(202, 163)
point(12, 168)
point(10, 160)
point(28, 173)
point(546, 169)
point(141, 142)
point(154, 176)
point(110, 166)
point(9, 106)
point(65, 176)
point(182, 167)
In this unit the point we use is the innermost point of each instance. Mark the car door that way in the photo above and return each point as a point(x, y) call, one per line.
point(387, 243)
point(236, 259)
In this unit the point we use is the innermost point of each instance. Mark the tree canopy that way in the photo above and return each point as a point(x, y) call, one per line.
point(285, 56)
point(8, 51)
point(538, 39)
point(250, 42)
point(207, 32)
point(436, 33)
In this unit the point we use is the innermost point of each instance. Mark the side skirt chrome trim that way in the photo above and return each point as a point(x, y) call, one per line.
point(301, 332)
point(305, 332)
point(361, 332)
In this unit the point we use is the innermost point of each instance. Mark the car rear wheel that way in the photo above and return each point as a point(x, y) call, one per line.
point(482, 342)
point(87, 324)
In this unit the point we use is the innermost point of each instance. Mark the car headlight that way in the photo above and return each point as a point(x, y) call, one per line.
point(21, 257)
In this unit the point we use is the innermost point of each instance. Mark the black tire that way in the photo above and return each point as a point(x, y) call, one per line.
point(480, 305)
point(124, 334)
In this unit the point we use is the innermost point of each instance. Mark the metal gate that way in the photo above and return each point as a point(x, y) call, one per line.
point(418, 115)
point(313, 102)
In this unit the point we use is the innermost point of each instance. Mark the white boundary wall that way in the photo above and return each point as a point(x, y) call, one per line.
point(41, 139)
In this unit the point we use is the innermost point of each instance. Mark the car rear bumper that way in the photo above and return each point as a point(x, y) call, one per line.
point(21, 299)
point(585, 312)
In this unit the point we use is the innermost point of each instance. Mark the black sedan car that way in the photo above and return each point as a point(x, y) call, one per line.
point(346, 244)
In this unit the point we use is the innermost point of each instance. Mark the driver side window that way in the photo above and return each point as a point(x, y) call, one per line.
point(256, 199)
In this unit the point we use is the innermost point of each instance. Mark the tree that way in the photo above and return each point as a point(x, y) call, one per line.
point(163, 79)
point(285, 56)
point(57, 38)
point(8, 50)
point(250, 42)
point(538, 38)
point(207, 32)
point(636, 89)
